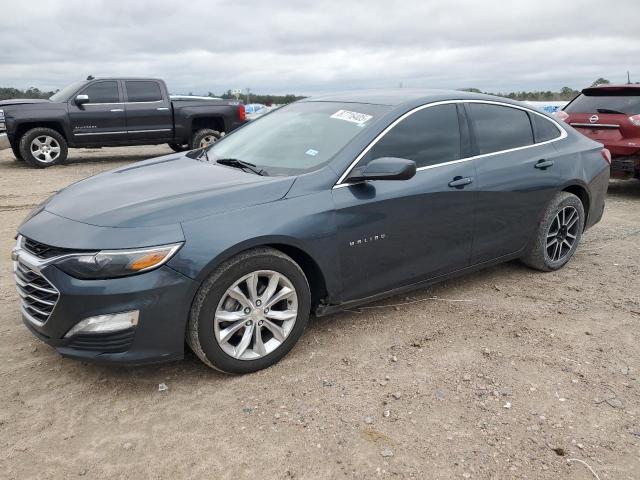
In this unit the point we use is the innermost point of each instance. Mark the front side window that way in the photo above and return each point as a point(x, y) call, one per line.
point(142, 91)
point(102, 92)
point(298, 138)
point(500, 128)
point(428, 137)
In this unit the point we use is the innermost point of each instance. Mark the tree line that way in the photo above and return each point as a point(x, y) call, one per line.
point(565, 93)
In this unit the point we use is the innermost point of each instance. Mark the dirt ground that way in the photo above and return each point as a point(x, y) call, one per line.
point(507, 373)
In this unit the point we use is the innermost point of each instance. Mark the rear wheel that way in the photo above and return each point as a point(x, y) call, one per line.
point(177, 147)
point(558, 234)
point(250, 312)
point(203, 138)
point(43, 147)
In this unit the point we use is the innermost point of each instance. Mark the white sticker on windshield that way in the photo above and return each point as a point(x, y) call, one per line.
point(353, 117)
point(311, 152)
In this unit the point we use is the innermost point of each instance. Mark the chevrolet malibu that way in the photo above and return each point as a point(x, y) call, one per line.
point(325, 204)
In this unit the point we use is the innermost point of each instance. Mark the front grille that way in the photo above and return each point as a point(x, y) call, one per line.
point(116, 342)
point(44, 251)
point(38, 296)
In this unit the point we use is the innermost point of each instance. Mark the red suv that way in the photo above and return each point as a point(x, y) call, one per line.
point(610, 114)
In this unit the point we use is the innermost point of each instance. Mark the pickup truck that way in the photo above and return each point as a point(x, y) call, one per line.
point(112, 112)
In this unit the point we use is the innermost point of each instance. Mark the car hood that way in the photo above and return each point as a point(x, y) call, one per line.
point(162, 191)
point(22, 101)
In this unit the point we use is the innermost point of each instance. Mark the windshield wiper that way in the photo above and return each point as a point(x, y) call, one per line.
point(608, 110)
point(234, 162)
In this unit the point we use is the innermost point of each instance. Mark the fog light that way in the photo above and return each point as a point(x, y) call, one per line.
point(112, 322)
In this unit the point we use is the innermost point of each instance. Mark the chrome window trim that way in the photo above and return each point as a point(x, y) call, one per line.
point(563, 135)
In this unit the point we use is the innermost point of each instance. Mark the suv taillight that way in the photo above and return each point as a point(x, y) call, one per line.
point(606, 154)
point(635, 119)
point(561, 115)
point(242, 112)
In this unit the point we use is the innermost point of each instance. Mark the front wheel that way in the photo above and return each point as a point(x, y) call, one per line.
point(250, 312)
point(17, 154)
point(558, 234)
point(43, 147)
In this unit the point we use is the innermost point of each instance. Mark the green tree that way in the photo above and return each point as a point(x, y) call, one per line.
point(600, 81)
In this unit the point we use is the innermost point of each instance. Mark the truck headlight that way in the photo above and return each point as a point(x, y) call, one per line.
point(3, 125)
point(117, 263)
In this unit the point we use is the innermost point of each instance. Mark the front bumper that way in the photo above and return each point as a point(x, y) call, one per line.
point(162, 296)
point(4, 141)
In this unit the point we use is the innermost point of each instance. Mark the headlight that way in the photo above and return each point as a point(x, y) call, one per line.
point(117, 263)
point(3, 126)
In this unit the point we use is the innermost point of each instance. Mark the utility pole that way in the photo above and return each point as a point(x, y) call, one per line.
point(248, 95)
point(628, 78)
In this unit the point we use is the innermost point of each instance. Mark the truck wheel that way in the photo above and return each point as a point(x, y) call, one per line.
point(203, 138)
point(43, 147)
point(16, 154)
point(177, 147)
point(558, 234)
point(250, 312)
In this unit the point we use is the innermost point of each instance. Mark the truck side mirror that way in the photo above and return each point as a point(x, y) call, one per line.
point(82, 99)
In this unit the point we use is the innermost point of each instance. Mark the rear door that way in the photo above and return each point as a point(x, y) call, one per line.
point(516, 176)
point(102, 119)
point(396, 232)
point(149, 115)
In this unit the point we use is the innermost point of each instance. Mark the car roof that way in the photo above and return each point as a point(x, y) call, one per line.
point(401, 96)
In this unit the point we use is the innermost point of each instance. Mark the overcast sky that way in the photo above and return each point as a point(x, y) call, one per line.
point(308, 47)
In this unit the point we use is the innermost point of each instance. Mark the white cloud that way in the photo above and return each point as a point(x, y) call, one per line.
point(306, 47)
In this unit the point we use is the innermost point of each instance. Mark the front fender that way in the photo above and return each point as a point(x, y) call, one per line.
point(305, 224)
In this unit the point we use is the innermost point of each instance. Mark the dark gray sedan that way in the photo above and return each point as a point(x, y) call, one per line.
point(321, 205)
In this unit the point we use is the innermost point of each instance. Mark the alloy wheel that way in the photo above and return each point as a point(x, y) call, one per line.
point(562, 233)
point(45, 149)
point(256, 315)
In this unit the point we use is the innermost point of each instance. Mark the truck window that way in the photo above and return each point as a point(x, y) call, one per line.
point(102, 92)
point(143, 91)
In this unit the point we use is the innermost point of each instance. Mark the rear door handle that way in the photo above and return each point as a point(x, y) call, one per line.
point(117, 109)
point(544, 164)
point(460, 182)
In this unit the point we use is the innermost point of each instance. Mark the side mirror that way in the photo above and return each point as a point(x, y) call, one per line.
point(384, 168)
point(82, 99)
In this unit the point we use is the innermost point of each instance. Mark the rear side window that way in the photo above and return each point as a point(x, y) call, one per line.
point(543, 129)
point(428, 137)
point(625, 104)
point(500, 128)
point(102, 92)
point(143, 91)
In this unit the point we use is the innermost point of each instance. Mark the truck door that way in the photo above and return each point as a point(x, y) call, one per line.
point(148, 112)
point(102, 119)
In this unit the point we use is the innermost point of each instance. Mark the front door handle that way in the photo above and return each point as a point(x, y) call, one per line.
point(460, 182)
point(117, 110)
point(544, 164)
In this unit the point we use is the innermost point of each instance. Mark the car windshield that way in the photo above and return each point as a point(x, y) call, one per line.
point(627, 104)
point(298, 138)
point(66, 92)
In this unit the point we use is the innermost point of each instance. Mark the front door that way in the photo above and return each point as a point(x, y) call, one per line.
point(102, 119)
point(394, 233)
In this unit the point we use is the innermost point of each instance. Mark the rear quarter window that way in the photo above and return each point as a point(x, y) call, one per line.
point(543, 129)
point(500, 128)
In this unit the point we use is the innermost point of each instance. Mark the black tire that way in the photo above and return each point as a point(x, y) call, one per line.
point(199, 136)
point(542, 254)
point(200, 330)
point(17, 154)
point(32, 158)
point(177, 147)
